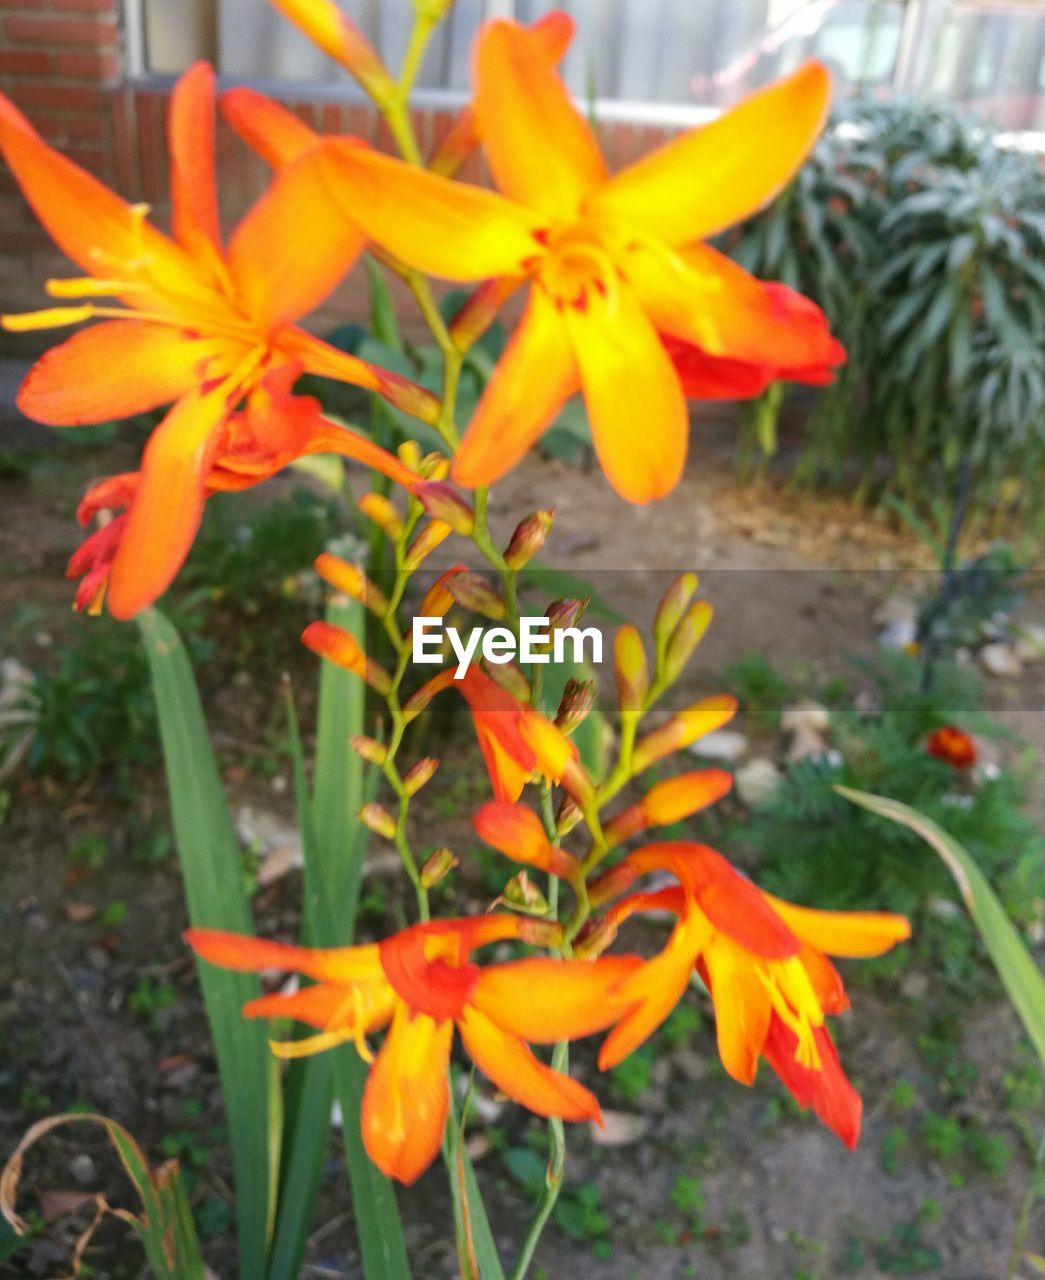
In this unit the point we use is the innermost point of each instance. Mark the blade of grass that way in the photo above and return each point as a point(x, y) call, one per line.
point(216, 898)
point(1019, 974)
point(477, 1252)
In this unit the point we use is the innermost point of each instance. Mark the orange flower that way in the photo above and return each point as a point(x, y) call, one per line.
point(420, 984)
point(765, 964)
point(205, 327)
point(615, 263)
point(953, 746)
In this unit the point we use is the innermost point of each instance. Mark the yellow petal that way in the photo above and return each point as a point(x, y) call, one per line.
point(843, 933)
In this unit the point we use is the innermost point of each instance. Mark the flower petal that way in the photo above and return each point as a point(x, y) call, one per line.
point(442, 228)
point(827, 1091)
point(279, 273)
point(544, 1000)
point(705, 377)
point(512, 1067)
point(359, 1009)
point(534, 377)
point(707, 179)
point(541, 150)
point(165, 514)
point(406, 1098)
point(190, 133)
point(268, 128)
point(843, 933)
point(72, 383)
point(742, 1008)
point(637, 410)
point(247, 954)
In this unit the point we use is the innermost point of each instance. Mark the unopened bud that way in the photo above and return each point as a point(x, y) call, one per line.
point(368, 749)
point(418, 774)
point(409, 453)
point(435, 466)
point(377, 818)
point(473, 591)
point(437, 867)
point(631, 670)
point(528, 538)
point(684, 728)
point(669, 802)
point(377, 508)
point(434, 532)
point(671, 608)
point(569, 815)
point(325, 23)
point(576, 781)
point(578, 700)
point(521, 894)
point(565, 613)
point(594, 938)
point(351, 581)
point(687, 635)
point(438, 599)
point(445, 503)
point(342, 647)
point(420, 698)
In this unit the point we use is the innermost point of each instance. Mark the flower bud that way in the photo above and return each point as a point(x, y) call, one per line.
point(443, 502)
point(528, 538)
point(418, 774)
point(594, 938)
point(669, 802)
point(437, 867)
point(420, 698)
point(473, 591)
point(541, 933)
point(521, 894)
point(327, 25)
point(438, 599)
point(565, 613)
point(368, 749)
point(672, 607)
point(409, 453)
point(687, 635)
point(578, 699)
point(383, 513)
point(434, 532)
point(351, 581)
point(377, 818)
point(631, 670)
point(435, 467)
point(342, 647)
point(684, 728)
point(517, 832)
point(568, 816)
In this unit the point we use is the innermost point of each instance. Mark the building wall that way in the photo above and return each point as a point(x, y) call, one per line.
point(63, 62)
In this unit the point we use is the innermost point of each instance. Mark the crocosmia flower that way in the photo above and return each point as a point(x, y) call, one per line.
point(209, 328)
point(764, 962)
point(953, 746)
point(420, 984)
point(625, 303)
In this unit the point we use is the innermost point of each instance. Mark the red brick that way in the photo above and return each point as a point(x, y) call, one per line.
point(84, 6)
point(94, 159)
point(61, 31)
point(23, 4)
point(24, 62)
point(86, 128)
point(47, 126)
point(60, 97)
point(88, 66)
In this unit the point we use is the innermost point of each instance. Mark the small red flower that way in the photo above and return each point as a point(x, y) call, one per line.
point(953, 746)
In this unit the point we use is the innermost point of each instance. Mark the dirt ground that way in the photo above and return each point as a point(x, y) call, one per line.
point(780, 1199)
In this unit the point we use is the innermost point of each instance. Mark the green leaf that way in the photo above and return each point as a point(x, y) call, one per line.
point(480, 1260)
point(383, 322)
point(216, 898)
point(1019, 974)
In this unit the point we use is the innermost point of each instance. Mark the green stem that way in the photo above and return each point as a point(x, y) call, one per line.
point(1023, 1221)
point(552, 1178)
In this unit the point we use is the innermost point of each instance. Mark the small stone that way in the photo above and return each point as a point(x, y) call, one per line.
point(914, 985)
point(619, 1129)
point(723, 744)
point(806, 715)
point(1002, 660)
point(690, 1064)
point(98, 958)
point(946, 908)
point(83, 1169)
point(897, 608)
point(757, 781)
point(1030, 642)
point(660, 1073)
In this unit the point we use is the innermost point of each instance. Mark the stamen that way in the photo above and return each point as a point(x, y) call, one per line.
point(87, 287)
point(48, 318)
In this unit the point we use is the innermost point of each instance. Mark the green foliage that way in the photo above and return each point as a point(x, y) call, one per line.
point(923, 241)
point(760, 689)
point(630, 1079)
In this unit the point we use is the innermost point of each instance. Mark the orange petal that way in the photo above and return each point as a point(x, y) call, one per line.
point(246, 954)
point(742, 1008)
point(826, 1090)
point(406, 1098)
point(194, 199)
point(280, 273)
point(72, 383)
point(705, 377)
point(90, 224)
point(442, 228)
point(328, 1006)
point(544, 1000)
point(512, 1067)
point(540, 148)
point(165, 514)
point(518, 833)
point(529, 385)
point(275, 133)
point(639, 421)
point(707, 179)
point(324, 22)
point(843, 933)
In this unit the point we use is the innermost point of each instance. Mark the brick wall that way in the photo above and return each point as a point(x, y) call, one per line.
point(63, 63)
